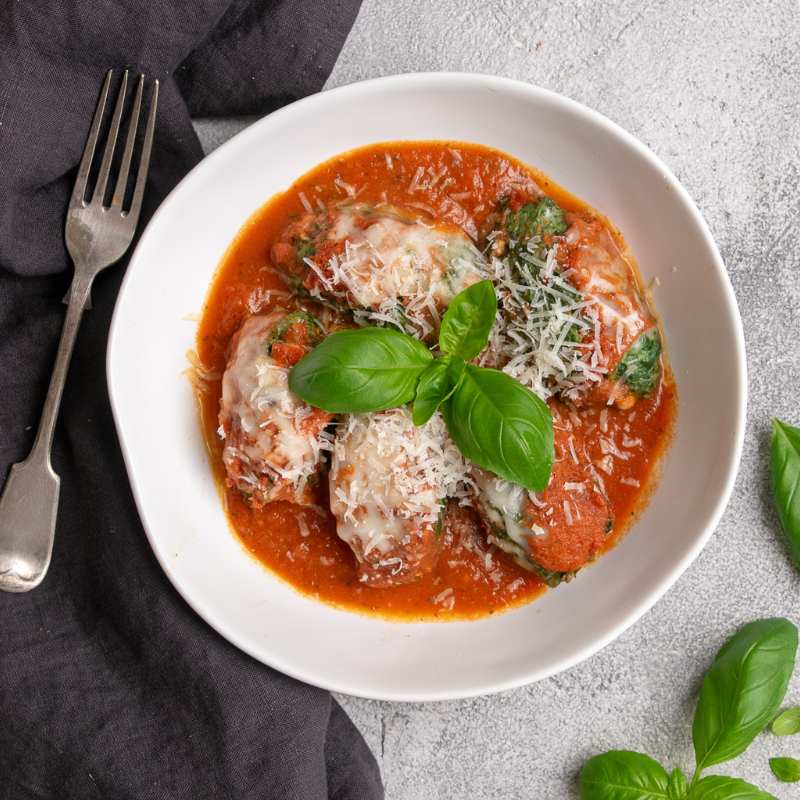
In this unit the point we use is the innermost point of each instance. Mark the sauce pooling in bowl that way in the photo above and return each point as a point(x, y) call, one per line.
point(388, 234)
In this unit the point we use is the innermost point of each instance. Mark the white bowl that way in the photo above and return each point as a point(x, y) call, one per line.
point(169, 275)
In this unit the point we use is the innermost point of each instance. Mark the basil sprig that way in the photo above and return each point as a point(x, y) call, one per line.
point(785, 469)
point(494, 420)
point(743, 690)
point(741, 694)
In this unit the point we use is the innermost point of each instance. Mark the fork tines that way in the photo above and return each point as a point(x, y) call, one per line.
point(91, 188)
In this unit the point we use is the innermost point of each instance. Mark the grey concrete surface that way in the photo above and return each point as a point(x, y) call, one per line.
point(714, 89)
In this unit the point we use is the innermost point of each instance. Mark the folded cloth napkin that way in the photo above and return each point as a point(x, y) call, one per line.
point(110, 686)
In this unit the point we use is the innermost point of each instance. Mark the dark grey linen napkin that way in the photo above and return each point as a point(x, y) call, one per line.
point(110, 686)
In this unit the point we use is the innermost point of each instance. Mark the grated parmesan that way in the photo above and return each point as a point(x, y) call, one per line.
point(389, 476)
point(345, 187)
point(539, 310)
point(267, 443)
point(304, 200)
point(395, 269)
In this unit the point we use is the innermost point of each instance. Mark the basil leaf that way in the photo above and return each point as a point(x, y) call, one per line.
point(743, 689)
point(786, 770)
point(468, 320)
point(501, 426)
point(366, 369)
point(623, 775)
point(640, 367)
point(787, 723)
point(720, 787)
point(785, 469)
point(436, 384)
point(677, 786)
point(432, 387)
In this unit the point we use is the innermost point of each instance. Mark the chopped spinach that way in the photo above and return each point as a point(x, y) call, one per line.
point(304, 248)
point(541, 218)
point(574, 334)
point(552, 579)
point(523, 558)
point(439, 526)
point(295, 283)
point(313, 328)
point(528, 253)
point(640, 367)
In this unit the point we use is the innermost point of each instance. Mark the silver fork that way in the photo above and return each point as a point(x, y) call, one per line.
point(96, 237)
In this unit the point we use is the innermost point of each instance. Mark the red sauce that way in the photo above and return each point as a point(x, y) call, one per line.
point(301, 545)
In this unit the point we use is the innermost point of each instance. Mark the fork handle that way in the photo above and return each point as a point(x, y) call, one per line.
point(79, 295)
point(29, 503)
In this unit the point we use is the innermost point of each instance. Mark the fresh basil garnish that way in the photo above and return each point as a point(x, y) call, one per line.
point(743, 689)
point(494, 420)
point(740, 694)
point(468, 321)
point(787, 723)
point(501, 426)
point(640, 367)
point(786, 770)
point(721, 787)
point(436, 384)
point(785, 469)
point(623, 774)
point(366, 369)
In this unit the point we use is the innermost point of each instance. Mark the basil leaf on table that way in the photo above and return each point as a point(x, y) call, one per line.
point(677, 786)
point(743, 689)
point(365, 369)
point(785, 469)
point(623, 775)
point(501, 426)
point(720, 787)
point(468, 321)
point(786, 770)
point(787, 723)
point(436, 384)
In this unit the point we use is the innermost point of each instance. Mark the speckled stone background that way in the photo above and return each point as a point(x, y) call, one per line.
point(714, 89)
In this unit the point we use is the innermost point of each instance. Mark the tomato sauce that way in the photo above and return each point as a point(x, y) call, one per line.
point(300, 545)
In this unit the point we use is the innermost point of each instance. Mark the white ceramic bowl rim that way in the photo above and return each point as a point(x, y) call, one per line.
point(316, 674)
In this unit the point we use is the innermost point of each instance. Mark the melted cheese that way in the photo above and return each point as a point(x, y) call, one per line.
point(389, 477)
point(262, 422)
point(397, 269)
point(501, 504)
point(542, 306)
